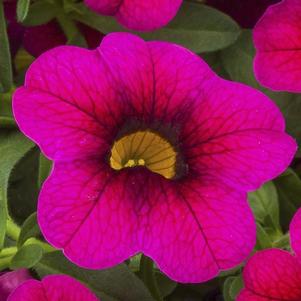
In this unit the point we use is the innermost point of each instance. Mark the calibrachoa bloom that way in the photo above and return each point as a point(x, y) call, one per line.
point(275, 274)
point(143, 15)
point(52, 288)
point(277, 38)
point(153, 153)
point(245, 12)
point(11, 280)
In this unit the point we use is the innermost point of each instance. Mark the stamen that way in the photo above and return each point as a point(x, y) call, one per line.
point(144, 148)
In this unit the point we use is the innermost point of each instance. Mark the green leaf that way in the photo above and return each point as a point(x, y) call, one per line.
point(45, 166)
point(6, 114)
point(13, 146)
point(227, 287)
point(238, 62)
point(22, 193)
point(22, 9)
point(196, 26)
point(30, 228)
point(265, 205)
point(40, 12)
point(166, 286)
point(26, 257)
point(289, 190)
point(6, 73)
point(115, 284)
point(236, 286)
point(262, 237)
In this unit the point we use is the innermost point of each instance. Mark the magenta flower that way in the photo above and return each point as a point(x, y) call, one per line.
point(52, 288)
point(153, 153)
point(11, 280)
point(245, 12)
point(277, 38)
point(142, 15)
point(274, 274)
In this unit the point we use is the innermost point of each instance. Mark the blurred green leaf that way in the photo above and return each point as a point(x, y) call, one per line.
point(6, 73)
point(264, 203)
point(40, 12)
point(45, 166)
point(30, 228)
point(23, 188)
point(238, 62)
point(166, 285)
point(6, 114)
point(13, 146)
point(236, 286)
point(22, 9)
point(289, 190)
point(227, 288)
point(115, 284)
point(26, 257)
point(196, 26)
point(262, 237)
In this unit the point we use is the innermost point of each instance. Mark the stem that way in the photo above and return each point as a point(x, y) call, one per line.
point(8, 252)
point(45, 246)
point(5, 262)
point(12, 230)
point(147, 274)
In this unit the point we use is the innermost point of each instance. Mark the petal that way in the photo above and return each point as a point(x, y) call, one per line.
point(31, 290)
point(34, 41)
point(82, 210)
point(273, 274)
point(295, 233)
point(10, 280)
point(53, 288)
point(198, 231)
point(147, 15)
point(238, 138)
point(246, 295)
point(160, 81)
point(195, 231)
point(105, 7)
point(140, 15)
point(246, 13)
point(277, 38)
point(62, 105)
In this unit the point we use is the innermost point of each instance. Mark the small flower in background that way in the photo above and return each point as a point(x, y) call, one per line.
point(277, 38)
point(142, 15)
point(275, 274)
point(11, 280)
point(244, 12)
point(52, 288)
point(38, 39)
point(153, 153)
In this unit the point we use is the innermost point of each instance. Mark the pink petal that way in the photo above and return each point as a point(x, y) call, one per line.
point(52, 288)
point(101, 220)
point(239, 137)
point(65, 91)
point(277, 38)
point(295, 233)
point(272, 274)
point(143, 15)
point(10, 280)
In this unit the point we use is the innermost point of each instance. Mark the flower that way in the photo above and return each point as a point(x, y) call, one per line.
point(246, 13)
point(277, 38)
point(10, 280)
point(142, 15)
point(52, 288)
point(153, 153)
point(275, 274)
point(32, 38)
